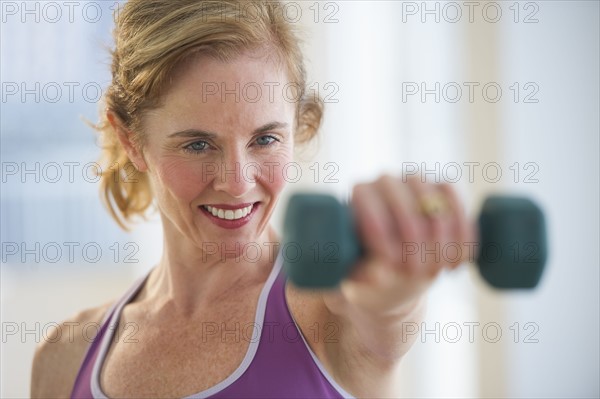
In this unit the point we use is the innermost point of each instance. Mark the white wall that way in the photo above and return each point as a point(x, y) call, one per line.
point(560, 134)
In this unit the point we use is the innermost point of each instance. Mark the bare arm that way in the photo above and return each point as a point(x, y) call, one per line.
point(387, 288)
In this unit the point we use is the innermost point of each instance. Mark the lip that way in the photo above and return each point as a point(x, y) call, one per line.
point(230, 224)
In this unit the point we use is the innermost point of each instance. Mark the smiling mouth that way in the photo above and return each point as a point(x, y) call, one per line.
point(229, 214)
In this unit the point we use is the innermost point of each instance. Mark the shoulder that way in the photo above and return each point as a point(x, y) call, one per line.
point(58, 357)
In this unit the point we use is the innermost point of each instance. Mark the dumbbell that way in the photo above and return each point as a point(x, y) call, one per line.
point(320, 243)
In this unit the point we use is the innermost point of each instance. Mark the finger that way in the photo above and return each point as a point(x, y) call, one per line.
point(463, 233)
point(401, 204)
point(437, 224)
point(374, 228)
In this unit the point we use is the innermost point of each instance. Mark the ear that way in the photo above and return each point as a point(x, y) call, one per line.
point(133, 152)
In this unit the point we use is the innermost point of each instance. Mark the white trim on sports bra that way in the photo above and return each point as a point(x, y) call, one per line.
point(252, 347)
point(325, 373)
point(250, 353)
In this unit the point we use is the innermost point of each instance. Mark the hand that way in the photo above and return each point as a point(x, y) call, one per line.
point(406, 246)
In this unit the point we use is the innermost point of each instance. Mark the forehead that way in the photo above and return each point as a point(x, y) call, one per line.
point(251, 89)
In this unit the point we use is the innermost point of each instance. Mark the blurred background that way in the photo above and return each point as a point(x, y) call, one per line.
point(494, 97)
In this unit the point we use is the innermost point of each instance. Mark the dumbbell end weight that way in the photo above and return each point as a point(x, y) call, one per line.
point(512, 237)
point(320, 244)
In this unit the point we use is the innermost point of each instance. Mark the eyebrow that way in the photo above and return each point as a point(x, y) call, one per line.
point(198, 133)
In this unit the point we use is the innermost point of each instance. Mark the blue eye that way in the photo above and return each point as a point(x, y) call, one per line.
point(265, 140)
point(197, 146)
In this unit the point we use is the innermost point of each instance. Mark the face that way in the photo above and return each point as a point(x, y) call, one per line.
point(215, 151)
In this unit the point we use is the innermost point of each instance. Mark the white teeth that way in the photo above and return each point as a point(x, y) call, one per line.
point(229, 214)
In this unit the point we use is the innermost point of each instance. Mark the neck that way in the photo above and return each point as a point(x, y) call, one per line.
point(189, 278)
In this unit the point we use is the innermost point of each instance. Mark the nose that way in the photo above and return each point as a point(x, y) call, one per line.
point(235, 175)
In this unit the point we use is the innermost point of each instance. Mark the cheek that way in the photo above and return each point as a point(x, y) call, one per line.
point(183, 179)
point(277, 172)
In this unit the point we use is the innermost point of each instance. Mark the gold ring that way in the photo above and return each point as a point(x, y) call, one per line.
point(433, 205)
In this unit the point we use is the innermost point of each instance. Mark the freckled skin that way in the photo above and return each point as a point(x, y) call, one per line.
point(187, 288)
point(182, 180)
point(192, 283)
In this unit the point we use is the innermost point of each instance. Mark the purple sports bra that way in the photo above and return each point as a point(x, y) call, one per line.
point(278, 363)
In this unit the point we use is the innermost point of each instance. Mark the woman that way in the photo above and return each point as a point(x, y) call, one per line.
point(210, 153)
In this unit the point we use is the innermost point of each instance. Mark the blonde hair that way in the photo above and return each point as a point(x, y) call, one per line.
point(151, 38)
